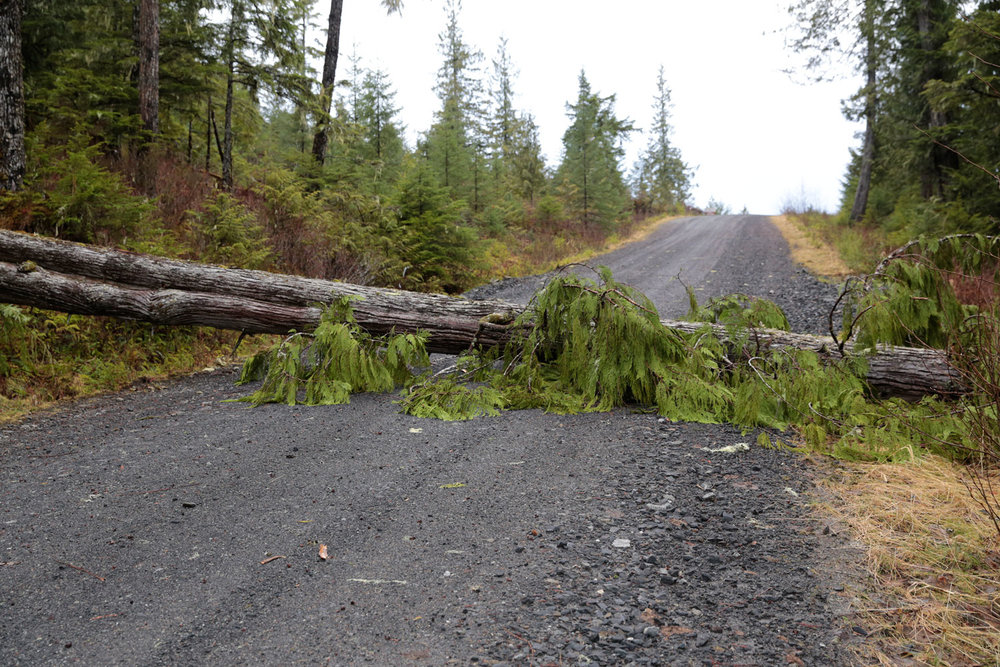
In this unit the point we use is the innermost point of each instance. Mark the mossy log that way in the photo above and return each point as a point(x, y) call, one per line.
point(86, 280)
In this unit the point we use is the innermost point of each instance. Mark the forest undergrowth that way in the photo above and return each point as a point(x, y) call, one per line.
point(276, 223)
point(928, 522)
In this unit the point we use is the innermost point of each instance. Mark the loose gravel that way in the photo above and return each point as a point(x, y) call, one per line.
point(689, 556)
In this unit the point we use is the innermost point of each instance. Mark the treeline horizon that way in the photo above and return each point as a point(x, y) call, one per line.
point(236, 153)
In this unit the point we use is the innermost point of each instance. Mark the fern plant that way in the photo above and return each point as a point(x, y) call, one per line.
point(18, 343)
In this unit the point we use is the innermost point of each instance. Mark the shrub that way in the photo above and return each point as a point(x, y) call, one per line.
point(81, 200)
point(227, 233)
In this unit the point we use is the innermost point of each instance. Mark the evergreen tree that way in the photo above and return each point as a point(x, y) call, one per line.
point(525, 167)
point(514, 148)
point(590, 173)
point(376, 113)
point(970, 100)
point(860, 30)
point(503, 120)
point(369, 147)
point(437, 246)
point(904, 175)
point(260, 49)
point(870, 91)
point(453, 143)
point(913, 163)
point(79, 67)
point(663, 177)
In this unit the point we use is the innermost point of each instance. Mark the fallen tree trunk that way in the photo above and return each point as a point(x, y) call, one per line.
point(452, 323)
point(172, 292)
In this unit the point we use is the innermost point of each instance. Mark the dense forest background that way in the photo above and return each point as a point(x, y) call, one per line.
point(237, 155)
point(929, 155)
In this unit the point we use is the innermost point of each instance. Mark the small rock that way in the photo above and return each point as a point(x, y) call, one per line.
point(622, 543)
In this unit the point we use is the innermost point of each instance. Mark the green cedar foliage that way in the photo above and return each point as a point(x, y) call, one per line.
point(570, 356)
point(449, 399)
point(739, 311)
point(334, 361)
point(910, 298)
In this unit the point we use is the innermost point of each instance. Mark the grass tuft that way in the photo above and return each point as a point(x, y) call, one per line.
point(809, 249)
point(935, 558)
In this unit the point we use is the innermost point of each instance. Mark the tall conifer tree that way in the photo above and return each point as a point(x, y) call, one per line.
point(859, 29)
point(590, 172)
point(453, 143)
point(260, 49)
point(514, 148)
point(330, 56)
point(663, 176)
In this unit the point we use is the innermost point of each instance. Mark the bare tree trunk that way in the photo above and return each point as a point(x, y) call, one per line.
point(12, 157)
point(167, 291)
point(321, 138)
point(149, 65)
point(227, 133)
point(209, 117)
point(149, 89)
point(868, 150)
point(933, 171)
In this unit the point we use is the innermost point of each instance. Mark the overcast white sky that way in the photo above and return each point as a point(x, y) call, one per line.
point(757, 138)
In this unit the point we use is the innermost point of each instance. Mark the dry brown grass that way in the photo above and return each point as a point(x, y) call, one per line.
point(809, 250)
point(934, 556)
point(542, 248)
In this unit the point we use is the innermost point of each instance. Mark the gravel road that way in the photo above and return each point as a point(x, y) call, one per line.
point(716, 256)
point(165, 526)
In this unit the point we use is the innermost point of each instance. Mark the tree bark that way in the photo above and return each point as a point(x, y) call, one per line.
point(227, 133)
point(321, 138)
point(12, 157)
point(163, 291)
point(860, 204)
point(149, 65)
point(149, 90)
